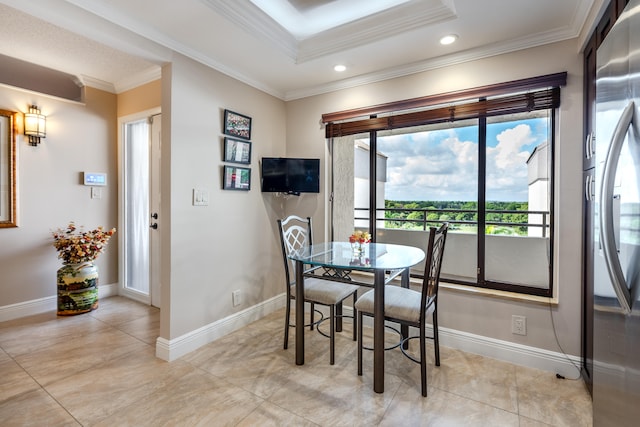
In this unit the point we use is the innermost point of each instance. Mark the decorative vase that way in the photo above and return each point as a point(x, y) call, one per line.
point(77, 288)
point(357, 248)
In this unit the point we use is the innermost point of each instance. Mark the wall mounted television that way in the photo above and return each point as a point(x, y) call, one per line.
point(290, 175)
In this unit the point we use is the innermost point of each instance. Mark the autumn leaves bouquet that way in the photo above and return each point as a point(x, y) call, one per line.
point(76, 245)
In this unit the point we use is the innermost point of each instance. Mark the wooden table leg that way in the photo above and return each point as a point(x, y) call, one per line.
point(378, 332)
point(299, 313)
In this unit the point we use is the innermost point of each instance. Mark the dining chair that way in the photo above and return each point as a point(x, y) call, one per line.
point(411, 308)
point(295, 233)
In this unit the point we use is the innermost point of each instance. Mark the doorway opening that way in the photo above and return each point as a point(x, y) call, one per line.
point(139, 149)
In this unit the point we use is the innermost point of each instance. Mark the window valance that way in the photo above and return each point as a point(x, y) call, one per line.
point(517, 96)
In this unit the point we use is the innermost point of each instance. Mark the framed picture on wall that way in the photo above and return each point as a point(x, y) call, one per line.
point(237, 151)
point(237, 125)
point(236, 178)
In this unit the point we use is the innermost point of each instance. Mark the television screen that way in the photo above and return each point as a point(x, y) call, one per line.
point(290, 175)
point(274, 175)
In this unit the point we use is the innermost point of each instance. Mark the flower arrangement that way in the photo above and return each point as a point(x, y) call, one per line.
point(357, 240)
point(77, 246)
point(360, 237)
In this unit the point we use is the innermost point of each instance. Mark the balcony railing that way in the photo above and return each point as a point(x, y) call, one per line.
point(424, 223)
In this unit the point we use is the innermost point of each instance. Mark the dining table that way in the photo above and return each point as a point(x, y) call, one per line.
point(385, 261)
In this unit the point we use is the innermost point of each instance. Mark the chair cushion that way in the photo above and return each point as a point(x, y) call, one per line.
point(325, 291)
point(399, 303)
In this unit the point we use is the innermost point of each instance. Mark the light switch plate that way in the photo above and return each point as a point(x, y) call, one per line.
point(200, 197)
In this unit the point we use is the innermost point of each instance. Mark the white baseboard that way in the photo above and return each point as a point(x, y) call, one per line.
point(170, 350)
point(43, 305)
point(506, 351)
point(532, 357)
point(518, 354)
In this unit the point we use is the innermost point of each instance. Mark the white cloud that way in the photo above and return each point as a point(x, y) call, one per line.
point(439, 166)
point(507, 155)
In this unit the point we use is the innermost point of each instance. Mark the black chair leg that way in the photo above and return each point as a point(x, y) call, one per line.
point(359, 343)
point(423, 359)
point(339, 317)
point(436, 341)
point(332, 335)
point(312, 314)
point(404, 334)
point(355, 316)
point(287, 319)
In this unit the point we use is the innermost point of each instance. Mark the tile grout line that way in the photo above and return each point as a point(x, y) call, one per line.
point(41, 386)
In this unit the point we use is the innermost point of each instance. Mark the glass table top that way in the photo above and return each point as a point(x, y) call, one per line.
point(374, 256)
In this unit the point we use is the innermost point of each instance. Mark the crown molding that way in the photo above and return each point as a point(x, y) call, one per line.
point(161, 39)
point(439, 62)
point(399, 19)
point(402, 18)
point(253, 20)
point(97, 84)
point(150, 74)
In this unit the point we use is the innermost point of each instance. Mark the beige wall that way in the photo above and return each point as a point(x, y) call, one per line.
point(80, 137)
point(141, 98)
point(209, 251)
point(482, 315)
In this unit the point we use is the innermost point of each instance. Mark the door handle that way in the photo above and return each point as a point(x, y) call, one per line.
point(154, 215)
point(588, 150)
point(607, 234)
point(588, 188)
point(154, 226)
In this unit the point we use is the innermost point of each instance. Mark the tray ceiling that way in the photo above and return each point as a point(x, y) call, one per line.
point(284, 47)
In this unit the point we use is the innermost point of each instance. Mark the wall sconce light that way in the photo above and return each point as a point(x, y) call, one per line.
point(35, 125)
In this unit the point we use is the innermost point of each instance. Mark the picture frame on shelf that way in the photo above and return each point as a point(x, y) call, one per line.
point(237, 151)
point(236, 178)
point(237, 125)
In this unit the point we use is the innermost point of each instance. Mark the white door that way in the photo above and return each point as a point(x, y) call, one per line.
point(140, 203)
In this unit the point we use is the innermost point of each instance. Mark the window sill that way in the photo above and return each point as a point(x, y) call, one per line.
point(505, 295)
point(472, 290)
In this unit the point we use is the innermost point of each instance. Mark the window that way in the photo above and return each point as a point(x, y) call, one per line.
point(484, 165)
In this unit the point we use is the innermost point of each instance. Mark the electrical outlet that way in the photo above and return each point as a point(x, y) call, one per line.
point(519, 325)
point(237, 300)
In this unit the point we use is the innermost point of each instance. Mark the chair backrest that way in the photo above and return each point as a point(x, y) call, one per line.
point(295, 233)
point(433, 264)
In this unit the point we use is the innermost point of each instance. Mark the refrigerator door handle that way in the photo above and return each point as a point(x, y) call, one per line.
point(587, 185)
point(588, 146)
point(588, 188)
point(607, 235)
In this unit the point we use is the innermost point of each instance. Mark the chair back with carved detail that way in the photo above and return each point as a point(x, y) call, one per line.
point(295, 234)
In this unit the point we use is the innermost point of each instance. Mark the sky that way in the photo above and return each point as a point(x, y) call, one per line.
point(442, 164)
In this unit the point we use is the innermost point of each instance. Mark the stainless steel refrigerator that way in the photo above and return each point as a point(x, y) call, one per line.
point(616, 340)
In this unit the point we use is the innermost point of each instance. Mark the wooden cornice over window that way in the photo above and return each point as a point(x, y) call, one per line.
point(517, 96)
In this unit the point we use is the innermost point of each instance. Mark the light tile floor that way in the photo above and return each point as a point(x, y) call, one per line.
point(99, 369)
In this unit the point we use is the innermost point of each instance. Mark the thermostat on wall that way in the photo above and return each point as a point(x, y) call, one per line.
point(94, 179)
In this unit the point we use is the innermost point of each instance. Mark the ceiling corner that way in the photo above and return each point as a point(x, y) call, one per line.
point(254, 21)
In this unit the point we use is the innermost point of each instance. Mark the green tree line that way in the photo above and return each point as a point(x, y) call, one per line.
point(412, 215)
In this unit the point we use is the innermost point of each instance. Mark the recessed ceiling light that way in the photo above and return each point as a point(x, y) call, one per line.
point(448, 39)
point(340, 68)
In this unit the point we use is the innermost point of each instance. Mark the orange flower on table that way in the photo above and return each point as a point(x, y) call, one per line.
point(360, 237)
